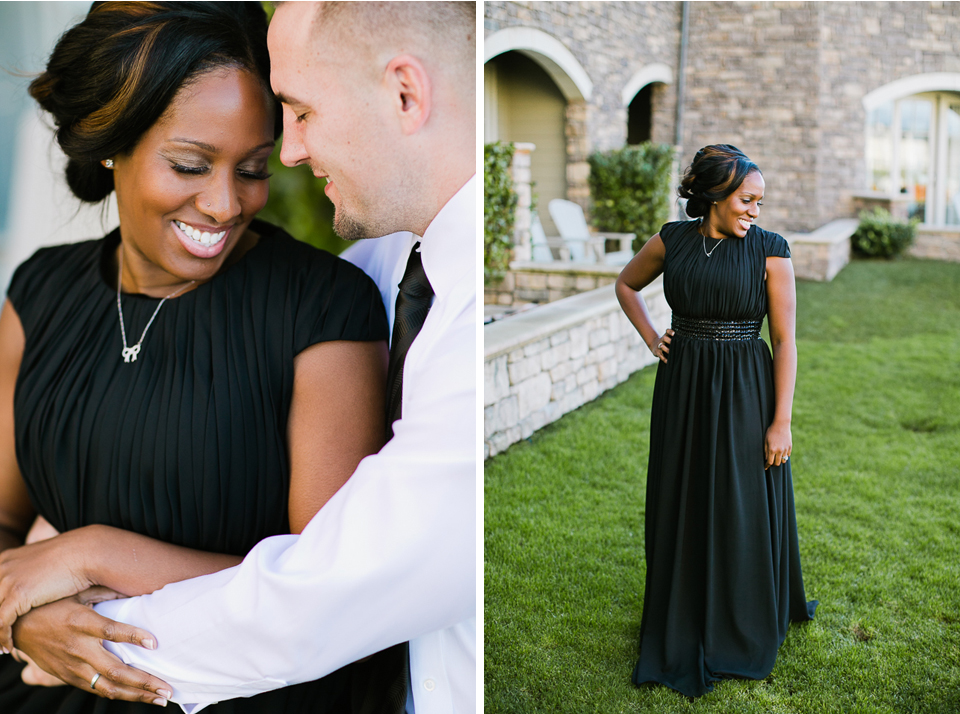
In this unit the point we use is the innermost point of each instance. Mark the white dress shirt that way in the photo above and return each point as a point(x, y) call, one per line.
point(391, 557)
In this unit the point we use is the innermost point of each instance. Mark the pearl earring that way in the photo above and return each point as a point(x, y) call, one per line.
point(108, 163)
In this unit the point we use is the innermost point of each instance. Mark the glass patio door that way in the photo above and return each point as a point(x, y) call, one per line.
point(948, 209)
point(913, 149)
point(915, 135)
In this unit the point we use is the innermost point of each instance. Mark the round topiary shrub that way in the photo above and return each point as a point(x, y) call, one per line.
point(880, 235)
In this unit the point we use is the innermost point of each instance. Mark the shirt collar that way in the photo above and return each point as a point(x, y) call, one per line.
point(449, 246)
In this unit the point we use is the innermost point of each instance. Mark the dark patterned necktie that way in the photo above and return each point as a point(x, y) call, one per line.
point(413, 304)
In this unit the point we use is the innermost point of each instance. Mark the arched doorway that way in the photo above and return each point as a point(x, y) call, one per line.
point(530, 83)
point(531, 108)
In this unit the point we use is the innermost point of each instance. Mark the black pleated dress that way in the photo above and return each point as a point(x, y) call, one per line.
point(188, 443)
point(723, 563)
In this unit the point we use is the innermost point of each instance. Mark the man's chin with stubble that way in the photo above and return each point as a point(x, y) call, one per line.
point(349, 228)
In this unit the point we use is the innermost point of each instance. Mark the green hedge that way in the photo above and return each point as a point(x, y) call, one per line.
point(499, 209)
point(880, 235)
point(631, 189)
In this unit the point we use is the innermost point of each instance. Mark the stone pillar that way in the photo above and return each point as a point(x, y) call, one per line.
point(521, 184)
point(578, 149)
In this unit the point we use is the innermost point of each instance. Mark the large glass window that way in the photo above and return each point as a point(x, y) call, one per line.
point(913, 149)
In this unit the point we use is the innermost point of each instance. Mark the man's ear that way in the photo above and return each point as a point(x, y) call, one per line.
point(412, 91)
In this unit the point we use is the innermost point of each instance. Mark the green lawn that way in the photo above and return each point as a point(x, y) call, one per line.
point(876, 466)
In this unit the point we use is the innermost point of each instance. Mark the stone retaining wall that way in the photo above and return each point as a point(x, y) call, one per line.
point(528, 281)
point(822, 254)
point(541, 364)
point(940, 244)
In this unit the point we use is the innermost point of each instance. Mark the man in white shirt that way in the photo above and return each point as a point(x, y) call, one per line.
point(379, 98)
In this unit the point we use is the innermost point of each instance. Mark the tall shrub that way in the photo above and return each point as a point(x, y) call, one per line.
point(881, 235)
point(631, 189)
point(499, 209)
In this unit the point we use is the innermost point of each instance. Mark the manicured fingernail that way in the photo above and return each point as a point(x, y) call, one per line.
point(149, 644)
point(4, 650)
point(165, 693)
point(160, 702)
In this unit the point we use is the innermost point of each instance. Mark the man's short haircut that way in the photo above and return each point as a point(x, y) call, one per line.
point(443, 31)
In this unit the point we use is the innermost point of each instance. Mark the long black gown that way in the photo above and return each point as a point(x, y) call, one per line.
point(188, 443)
point(723, 574)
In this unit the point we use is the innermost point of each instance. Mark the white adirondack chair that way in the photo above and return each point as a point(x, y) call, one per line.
point(586, 247)
point(542, 245)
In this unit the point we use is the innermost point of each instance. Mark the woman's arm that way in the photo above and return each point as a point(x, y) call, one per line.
point(336, 419)
point(638, 273)
point(782, 299)
point(16, 514)
point(16, 511)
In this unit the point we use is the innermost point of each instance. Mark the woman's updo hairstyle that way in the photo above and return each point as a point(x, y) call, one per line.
point(114, 74)
point(716, 172)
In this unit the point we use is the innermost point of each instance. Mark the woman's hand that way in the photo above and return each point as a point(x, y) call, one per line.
point(778, 444)
point(37, 574)
point(661, 348)
point(33, 675)
point(64, 639)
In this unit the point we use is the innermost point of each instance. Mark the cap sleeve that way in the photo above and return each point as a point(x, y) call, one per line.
point(670, 230)
point(775, 245)
point(35, 282)
point(337, 301)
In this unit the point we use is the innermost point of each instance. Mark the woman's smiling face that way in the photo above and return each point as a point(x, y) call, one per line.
point(189, 189)
point(733, 216)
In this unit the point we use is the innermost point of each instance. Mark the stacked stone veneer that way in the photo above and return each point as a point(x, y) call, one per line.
point(937, 243)
point(822, 254)
point(548, 282)
point(784, 81)
point(541, 364)
point(612, 41)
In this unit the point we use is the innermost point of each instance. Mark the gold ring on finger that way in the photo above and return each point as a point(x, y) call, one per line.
point(93, 682)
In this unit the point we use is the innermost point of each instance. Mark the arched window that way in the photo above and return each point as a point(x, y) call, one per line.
point(913, 148)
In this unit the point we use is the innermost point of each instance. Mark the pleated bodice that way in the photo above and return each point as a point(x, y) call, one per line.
point(188, 443)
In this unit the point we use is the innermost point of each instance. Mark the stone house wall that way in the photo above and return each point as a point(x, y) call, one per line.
point(612, 41)
point(785, 81)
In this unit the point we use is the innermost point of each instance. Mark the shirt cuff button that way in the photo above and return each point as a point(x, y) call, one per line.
point(429, 685)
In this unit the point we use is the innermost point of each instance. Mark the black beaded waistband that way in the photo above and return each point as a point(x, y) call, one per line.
point(702, 329)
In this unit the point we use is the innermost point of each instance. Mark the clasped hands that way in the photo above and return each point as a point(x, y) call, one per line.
point(46, 606)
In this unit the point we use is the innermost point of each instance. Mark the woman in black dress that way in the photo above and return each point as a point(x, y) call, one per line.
point(723, 574)
point(188, 385)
